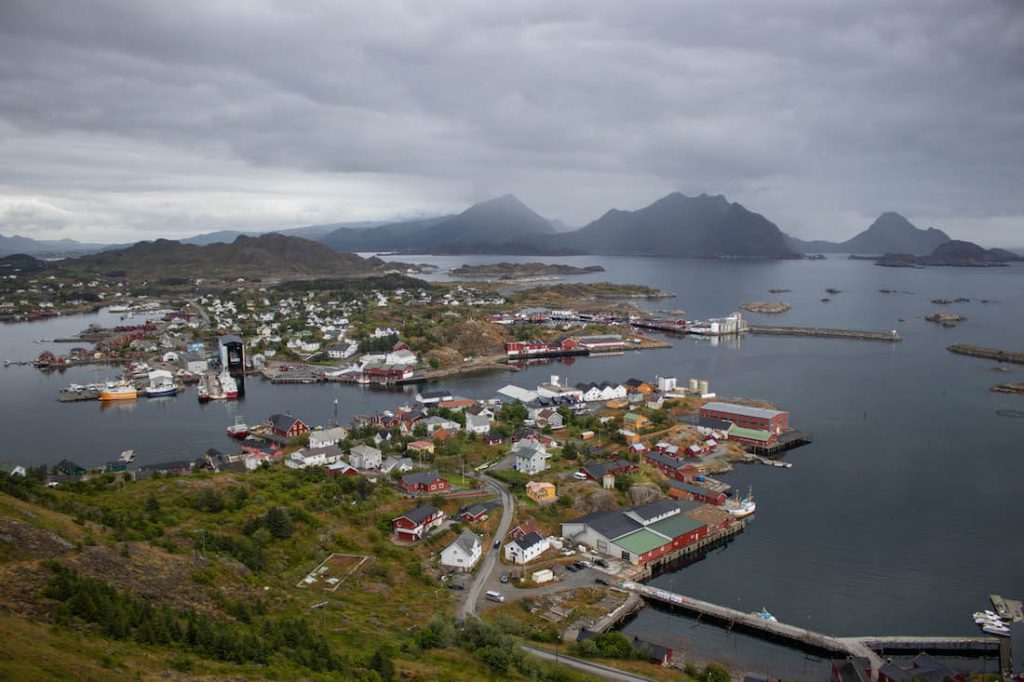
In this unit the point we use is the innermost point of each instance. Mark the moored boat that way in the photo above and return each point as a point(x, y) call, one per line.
point(118, 391)
point(161, 383)
point(239, 429)
point(763, 613)
point(741, 508)
point(228, 386)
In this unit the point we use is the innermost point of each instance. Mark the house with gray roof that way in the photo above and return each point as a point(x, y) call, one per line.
point(365, 458)
point(463, 553)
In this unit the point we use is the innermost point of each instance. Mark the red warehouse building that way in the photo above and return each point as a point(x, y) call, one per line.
point(756, 418)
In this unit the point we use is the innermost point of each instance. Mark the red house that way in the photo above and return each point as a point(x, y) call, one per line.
point(423, 482)
point(756, 418)
point(673, 467)
point(416, 523)
point(691, 491)
point(287, 426)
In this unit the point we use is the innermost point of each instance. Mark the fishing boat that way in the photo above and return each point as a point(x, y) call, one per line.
point(228, 387)
point(741, 508)
point(161, 383)
point(119, 390)
point(763, 613)
point(239, 429)
point(203, 391)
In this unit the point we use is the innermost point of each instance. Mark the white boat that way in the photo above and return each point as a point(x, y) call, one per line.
point(763, 613)
point(228, 386)
point(993, 629)
point(741, 508)
point(161, 383)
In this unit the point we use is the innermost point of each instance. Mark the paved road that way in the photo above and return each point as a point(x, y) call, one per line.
point(490, 564)
point(586, 666)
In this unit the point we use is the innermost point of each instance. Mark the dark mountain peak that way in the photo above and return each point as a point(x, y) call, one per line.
point(958, 248)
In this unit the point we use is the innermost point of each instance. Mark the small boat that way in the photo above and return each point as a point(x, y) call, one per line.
point(741, 508)
point(203, 392)
point(161, 383)
point(763, 613)
point(239, 429)
point(127, 456)
point(121, 390)
point(993, 629)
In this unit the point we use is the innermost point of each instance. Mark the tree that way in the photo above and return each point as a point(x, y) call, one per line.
point(279, 523)
point(152, 505)
point(384, 665)
point(569, 450)
point(716, 673)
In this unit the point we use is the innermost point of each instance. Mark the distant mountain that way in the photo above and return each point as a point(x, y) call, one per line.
point(20, 262)
point(955, 253)
point(502, 226)
point(38, 247)
point(268, 255)
point(678, 225)
point(890, 233)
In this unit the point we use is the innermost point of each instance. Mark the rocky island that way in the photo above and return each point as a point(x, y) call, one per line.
point(765, 307)
point(954, 253)
point(945, 319)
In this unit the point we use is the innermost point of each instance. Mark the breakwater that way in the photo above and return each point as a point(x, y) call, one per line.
point(987, 353)
point(891, 336)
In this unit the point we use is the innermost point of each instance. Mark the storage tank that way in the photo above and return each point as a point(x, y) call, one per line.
point(693, 384)
point(704, 387)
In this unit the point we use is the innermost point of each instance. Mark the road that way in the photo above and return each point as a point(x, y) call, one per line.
point(202, 312)
point(586, 666)
point(490, 564)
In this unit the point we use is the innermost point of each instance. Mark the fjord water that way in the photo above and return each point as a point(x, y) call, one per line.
point(900, 519)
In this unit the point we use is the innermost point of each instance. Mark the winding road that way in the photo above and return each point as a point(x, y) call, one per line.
point(490, 565)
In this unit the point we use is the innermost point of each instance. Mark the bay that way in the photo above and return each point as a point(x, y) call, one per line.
point(900, 518)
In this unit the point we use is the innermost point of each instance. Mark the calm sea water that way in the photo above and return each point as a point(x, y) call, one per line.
point(900, 519)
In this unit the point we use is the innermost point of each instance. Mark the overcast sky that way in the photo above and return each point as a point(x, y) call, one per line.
point(130, 120)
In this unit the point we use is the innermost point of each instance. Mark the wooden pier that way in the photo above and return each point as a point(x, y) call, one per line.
point(890, 336)
point(871, 648)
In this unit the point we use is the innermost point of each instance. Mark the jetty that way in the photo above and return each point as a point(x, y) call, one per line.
point(871, 648)
point(987, 353)
point(823, 332)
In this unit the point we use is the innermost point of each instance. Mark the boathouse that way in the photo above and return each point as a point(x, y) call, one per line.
point(287, 426)
point(755, 418)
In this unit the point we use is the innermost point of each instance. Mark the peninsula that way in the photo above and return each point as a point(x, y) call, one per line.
point(517, 270)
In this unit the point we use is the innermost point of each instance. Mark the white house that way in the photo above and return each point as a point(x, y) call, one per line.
point(401, 357)
point(463, 553)
point(343, 350)
point(313, 457)
point(12, 469)
point(526, 548)
point(321, 438)
point(196, 363)
point(401, 464)
point(364, 457)
point(477, 423)
point(435, 423)
point(531, 457)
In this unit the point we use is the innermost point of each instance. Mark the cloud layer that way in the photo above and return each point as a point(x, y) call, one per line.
point(132, 119)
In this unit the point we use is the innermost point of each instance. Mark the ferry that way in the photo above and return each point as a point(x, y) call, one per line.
point(239, 429)
point(741, 508)
point(118, 391)
point(763, 613)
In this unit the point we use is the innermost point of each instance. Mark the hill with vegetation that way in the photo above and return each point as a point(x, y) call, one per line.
point(953, 253)
point(266, 256)
point(203, 576)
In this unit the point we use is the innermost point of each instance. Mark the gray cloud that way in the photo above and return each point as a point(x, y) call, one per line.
point(125, 117)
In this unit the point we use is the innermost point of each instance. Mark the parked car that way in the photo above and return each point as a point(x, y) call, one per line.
point(600, 581)
point(455, 586)
point(601, 562)
point(572, 567)
point(497, 544)
point(504, 576)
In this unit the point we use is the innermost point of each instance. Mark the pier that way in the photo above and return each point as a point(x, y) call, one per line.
point(871, 648)
point(891, 336)
point(987, 353)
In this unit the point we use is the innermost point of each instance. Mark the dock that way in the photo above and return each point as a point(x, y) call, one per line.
point(871, 648)
point(823, 332)
point(987, 353)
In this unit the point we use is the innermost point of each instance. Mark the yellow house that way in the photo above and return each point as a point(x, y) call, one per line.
point(634, 421)
point(541, 492)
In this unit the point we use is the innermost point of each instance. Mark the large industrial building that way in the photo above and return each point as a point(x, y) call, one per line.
point(754, 418)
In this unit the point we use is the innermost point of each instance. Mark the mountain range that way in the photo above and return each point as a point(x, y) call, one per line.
point(708, 226)
point(890, 233)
